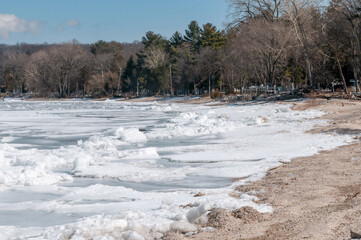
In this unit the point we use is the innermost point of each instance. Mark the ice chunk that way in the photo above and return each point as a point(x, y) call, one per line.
point(77, 238)
point(130, 135)
point(183, 227)
point(82, 162)
point(195, 213)
point(8, 139)
point(99, 142)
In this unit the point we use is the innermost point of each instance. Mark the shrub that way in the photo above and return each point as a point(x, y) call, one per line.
point(216, 94)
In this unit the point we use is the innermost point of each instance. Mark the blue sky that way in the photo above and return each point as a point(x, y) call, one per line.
point(55, 21)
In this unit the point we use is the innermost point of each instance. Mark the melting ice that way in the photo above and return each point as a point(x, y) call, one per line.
point(120, 170)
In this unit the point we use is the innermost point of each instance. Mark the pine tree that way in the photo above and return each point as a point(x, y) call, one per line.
point(211, 37)
point(129, 76)
point(177, 39)
point(152, 62)
point(153, 39)
point(192, 36)
point(103, 47)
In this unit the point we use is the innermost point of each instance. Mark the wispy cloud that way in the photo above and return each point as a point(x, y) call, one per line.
point(72, 23)
point(10, 23)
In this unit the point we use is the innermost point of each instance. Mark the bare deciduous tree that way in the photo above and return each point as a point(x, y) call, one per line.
point(303, 14)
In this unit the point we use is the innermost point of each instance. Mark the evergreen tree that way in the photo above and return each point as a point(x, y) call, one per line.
point(152, 62)
point(153, 39)
point(103, 47)
point(177, 39)
point(192, 36)
point(9, 80)
point(211, 37)
point(129, 77)
point(84, 77)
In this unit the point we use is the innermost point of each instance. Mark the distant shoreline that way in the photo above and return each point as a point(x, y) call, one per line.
point(197, 99)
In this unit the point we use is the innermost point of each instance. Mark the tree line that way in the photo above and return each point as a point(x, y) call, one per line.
point(268, 42)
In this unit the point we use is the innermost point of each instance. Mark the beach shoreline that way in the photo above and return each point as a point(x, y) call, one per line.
point(315, 197)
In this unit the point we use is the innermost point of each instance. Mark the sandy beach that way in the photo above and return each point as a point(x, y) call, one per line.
point(314, 197)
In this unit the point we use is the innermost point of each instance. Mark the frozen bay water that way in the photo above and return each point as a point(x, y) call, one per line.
point(120, 170)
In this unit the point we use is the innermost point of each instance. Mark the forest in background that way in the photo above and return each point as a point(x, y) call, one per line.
point(266, 43)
